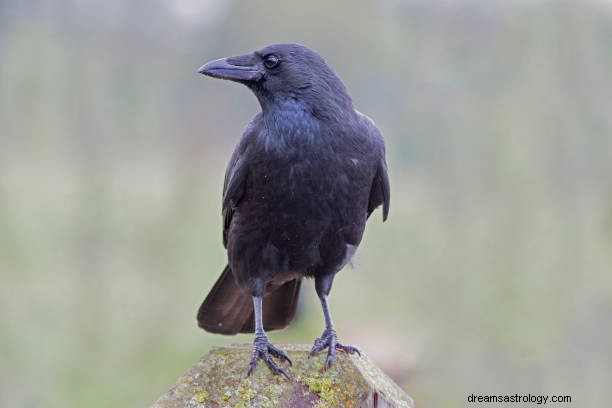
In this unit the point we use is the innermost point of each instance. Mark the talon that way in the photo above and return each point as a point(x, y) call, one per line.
point(348, 349)
point(329, 341)
point(331, 355)
point(282, 371)
point(264, 350)
point(278, 353)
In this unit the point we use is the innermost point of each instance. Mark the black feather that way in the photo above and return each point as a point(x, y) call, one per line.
point(299, 187)
point(229, 310)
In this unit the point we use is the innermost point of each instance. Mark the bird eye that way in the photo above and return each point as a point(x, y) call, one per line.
point(271, 61)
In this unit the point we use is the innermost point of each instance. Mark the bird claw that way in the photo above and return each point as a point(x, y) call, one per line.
point(263, 349)
point(329, 340)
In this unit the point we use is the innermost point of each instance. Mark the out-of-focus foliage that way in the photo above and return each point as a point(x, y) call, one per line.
point(492, 275)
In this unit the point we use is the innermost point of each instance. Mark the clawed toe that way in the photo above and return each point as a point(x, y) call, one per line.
point(278, 353)
point(348, 349)
point(263, 349)
point(329, 340)
point(319, 345)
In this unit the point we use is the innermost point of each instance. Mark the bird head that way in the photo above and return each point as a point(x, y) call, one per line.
point(284, 72)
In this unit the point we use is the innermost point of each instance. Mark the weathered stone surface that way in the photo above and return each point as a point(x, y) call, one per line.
point(219, 380)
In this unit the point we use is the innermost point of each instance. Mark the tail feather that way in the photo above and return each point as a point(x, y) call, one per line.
point(279, 307)
point(226, 307)
point(229, 310)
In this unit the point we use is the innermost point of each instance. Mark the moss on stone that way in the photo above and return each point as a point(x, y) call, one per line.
point(219, 380)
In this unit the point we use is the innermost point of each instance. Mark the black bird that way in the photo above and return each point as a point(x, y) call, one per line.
point(305, 176)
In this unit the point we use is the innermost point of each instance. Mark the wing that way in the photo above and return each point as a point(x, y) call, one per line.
point(380, 191)
point(235, 179)
point(233, 190)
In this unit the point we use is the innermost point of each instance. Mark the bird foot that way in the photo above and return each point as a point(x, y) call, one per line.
point(329, 340)
point(263, 349)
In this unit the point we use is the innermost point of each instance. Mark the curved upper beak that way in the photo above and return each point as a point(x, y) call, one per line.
point(242, 68)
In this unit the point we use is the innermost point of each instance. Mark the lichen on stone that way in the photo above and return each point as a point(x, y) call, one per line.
point(219, 380)
point(201, 396)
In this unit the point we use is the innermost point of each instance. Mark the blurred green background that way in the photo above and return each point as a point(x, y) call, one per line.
point(492, 275)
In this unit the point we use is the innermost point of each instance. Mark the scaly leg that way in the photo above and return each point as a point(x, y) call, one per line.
point(329, 338)
point(262, 348)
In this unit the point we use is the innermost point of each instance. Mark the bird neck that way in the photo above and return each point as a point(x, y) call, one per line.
point(290, 107)
point(290, 125)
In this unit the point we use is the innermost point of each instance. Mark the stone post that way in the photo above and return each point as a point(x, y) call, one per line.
point(219, 379)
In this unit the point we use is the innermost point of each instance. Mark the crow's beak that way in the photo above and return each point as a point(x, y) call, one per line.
point(240, 69)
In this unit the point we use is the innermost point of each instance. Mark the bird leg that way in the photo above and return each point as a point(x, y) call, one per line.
point(262, 348)
point(329, 338)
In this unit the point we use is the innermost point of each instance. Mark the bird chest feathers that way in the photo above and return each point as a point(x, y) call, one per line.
point(295, 158)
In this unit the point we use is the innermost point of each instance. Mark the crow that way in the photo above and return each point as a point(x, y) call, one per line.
point(299, 187)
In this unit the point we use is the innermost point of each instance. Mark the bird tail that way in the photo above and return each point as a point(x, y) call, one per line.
point(229, 310)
